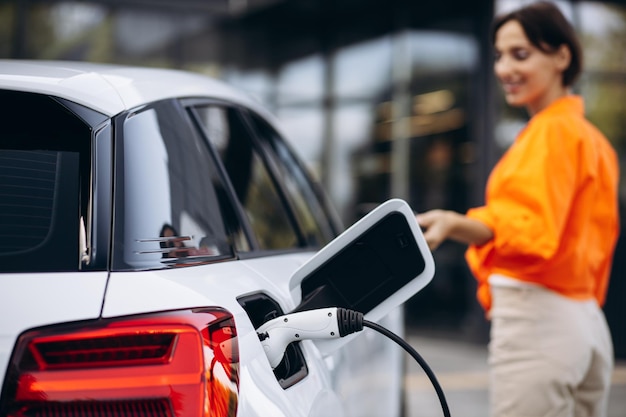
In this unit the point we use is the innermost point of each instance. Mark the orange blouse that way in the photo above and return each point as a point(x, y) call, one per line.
point(552, 204)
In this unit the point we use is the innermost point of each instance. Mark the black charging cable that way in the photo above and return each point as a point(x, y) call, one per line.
point(350, 321)
point(418, 358)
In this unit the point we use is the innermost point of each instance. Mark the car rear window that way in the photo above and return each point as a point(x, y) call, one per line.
point(30, 191)
point(44, 177)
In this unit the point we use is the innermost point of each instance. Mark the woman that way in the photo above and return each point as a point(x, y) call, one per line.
point(541, 247)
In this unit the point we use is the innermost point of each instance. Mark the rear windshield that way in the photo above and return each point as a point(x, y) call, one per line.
point(44, 183)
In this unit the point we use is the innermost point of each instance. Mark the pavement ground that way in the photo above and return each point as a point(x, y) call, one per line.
point(461, 369)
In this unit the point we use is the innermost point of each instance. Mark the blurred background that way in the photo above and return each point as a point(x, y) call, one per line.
point(382, 99)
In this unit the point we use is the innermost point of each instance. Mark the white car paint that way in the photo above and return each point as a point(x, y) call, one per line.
point(33, 300)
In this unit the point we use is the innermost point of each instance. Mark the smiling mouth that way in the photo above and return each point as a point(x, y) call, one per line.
point(511, 87)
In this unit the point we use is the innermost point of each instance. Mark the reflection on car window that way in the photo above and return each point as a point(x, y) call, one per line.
point(249, 176)
point(170, 198)
point(309, 211)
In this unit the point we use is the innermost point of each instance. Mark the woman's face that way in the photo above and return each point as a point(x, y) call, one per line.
point(529, 76)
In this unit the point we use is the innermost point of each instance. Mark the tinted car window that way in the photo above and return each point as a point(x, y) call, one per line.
point(45, 165)
point(312, 217)
point(169, 198)
point(253, 184)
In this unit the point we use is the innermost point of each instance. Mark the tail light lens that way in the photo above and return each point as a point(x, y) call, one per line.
point(176, 364)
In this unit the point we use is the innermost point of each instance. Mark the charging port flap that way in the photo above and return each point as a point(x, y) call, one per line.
point(374, 266)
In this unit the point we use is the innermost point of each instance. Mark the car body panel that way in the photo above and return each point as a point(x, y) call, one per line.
point(169, 289)
point(33, 300)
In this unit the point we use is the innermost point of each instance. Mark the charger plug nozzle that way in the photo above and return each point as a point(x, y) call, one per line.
point(324, 323)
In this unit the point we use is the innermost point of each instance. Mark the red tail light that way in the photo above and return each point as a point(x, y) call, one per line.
point(178, 364)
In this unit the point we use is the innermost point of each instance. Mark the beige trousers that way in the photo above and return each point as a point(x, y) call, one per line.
point(549, 355)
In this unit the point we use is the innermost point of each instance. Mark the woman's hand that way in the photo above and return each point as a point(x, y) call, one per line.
point(436, 225)
point(439, 225)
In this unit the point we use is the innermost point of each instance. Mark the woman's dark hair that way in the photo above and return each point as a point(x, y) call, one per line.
point(547, 29)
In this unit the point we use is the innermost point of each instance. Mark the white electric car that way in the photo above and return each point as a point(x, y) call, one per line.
point(151, 221)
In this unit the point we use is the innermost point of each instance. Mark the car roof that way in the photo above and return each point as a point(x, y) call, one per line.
point(111, 89)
